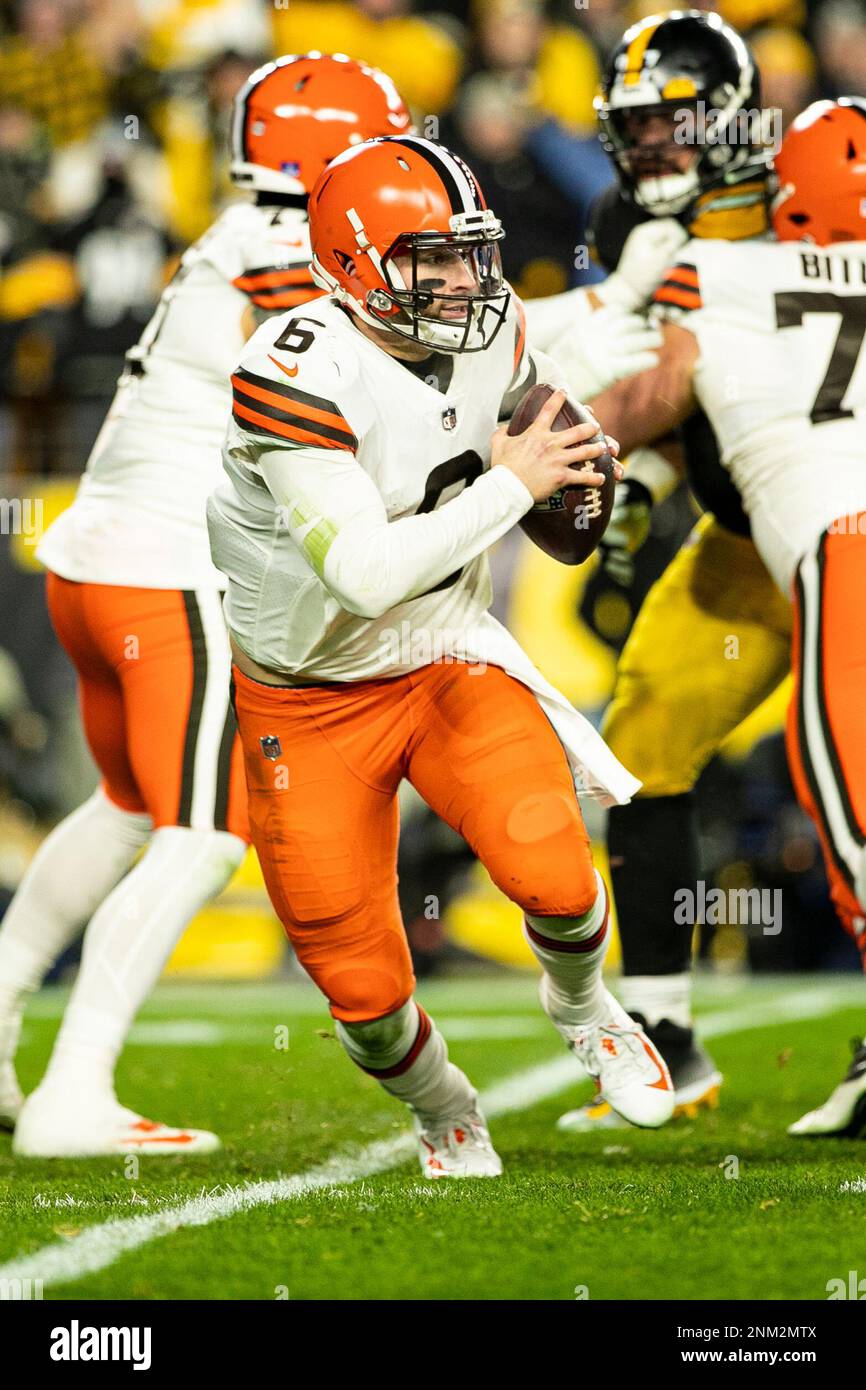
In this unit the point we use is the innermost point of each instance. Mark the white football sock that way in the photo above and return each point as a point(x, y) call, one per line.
point(126, 945)
point(408, 1056)
point(659, 996)
point(571, 951)
point(82, 859)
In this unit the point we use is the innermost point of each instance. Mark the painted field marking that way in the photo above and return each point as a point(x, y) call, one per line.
point(99, 1246)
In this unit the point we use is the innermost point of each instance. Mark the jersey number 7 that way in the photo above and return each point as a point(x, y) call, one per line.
point(790, 309)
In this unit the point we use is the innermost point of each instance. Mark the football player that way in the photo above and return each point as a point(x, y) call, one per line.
point(137, 604)
point(366, 479)
point(766, 336)
point(676, 696)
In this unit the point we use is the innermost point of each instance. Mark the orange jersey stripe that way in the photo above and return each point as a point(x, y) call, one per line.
point(685, 274)
point(293, 432)
point(684, 298)
point(291, 402)
point(272, 279)
point(288, 299)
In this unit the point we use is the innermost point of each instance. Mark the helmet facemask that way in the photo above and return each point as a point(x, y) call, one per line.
point(690, 78)
point(467, 318)
point(659, 170)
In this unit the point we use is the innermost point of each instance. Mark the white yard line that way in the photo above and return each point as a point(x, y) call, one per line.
point(98, 1246)
point(813, 1002)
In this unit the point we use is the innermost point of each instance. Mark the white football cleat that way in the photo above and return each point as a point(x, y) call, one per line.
point(458, 1148)
point(844, 1114)
point(48, 1129)
point(630, 1072)
point(696, 1081)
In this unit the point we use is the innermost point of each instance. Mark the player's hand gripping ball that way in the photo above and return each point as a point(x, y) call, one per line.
point(569, 525)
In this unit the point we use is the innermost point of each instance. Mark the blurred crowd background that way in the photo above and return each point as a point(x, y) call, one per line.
point(113, 123)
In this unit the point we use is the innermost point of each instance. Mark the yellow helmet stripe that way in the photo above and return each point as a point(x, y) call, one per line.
point(634, 55)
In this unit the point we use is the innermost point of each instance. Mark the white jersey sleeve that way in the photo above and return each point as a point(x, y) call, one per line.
point(264, 253)
point(360, 497)
point(337, 518)
point(139, 516)
point(299, 420)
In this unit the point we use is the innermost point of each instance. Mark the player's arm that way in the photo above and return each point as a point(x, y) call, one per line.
point(645, 408)
point(599, 334)
point(272, 290)
point(337, 518)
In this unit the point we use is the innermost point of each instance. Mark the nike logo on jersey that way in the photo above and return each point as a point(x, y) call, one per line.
point(289, 371)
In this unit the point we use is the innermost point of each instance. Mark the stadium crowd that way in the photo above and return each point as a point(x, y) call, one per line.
point(113, 124)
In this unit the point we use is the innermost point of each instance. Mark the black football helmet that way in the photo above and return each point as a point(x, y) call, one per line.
point(694, 72)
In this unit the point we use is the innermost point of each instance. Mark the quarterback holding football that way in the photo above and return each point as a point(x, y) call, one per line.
point(369, 469)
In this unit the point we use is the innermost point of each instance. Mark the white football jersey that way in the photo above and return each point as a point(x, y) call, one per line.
point(139, 516)
point(311, 382)
point(782, 378)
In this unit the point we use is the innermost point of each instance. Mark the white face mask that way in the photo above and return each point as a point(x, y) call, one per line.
point(664, 195)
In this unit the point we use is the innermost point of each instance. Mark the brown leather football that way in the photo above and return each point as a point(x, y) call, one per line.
point(570, 524)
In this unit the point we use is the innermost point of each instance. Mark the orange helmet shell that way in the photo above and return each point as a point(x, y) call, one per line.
point(389, 189)
point(401, 195)
point(821, 168)
point(293, 116)
point(403, 192)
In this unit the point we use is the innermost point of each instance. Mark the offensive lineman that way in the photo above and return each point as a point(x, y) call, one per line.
point(364, 488)
point(137, 604)
point(676, 698)
point(767, 337)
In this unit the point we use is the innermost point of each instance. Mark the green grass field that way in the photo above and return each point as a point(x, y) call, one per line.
point(315, 1195)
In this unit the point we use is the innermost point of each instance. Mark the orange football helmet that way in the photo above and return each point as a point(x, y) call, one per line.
point(294, 115)
point(821, 168)
point(409, 200)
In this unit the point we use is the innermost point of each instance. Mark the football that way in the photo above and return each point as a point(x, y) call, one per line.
point(570, 524)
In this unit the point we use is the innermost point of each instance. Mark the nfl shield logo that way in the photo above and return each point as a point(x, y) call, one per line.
point(271, 747)
point(449, 418)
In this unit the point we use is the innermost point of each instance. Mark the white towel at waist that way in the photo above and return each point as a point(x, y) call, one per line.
point(596, 771)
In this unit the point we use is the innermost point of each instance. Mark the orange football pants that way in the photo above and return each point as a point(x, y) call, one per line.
point(323, 766)
point(825, 731)
point(154, 673)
